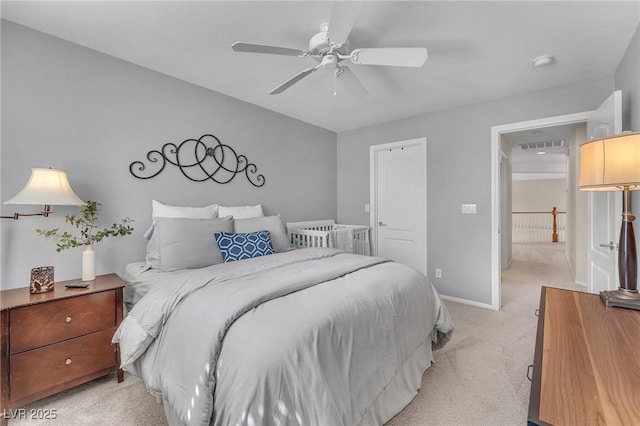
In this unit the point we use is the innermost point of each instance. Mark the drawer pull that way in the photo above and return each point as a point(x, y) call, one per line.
point(537, 312)
point(67, 361)
point(529, 371)
point(67, 319)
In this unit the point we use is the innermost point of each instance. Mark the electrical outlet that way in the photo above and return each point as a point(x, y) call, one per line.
point(438, 273)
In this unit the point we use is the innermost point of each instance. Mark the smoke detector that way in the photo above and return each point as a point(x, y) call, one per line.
point(542, 61)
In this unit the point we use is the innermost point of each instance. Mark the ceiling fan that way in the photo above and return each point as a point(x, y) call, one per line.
point(330, 47)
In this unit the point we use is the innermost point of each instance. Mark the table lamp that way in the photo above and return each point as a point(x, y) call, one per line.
point(613, 164)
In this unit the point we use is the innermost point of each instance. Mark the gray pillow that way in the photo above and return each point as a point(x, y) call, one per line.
point(273, 224)
point(179, 243)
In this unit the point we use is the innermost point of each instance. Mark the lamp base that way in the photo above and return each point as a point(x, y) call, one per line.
point(620, 298)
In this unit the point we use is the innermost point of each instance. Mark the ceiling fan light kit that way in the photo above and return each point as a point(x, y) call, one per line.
point(330, 54)
point(329, 60)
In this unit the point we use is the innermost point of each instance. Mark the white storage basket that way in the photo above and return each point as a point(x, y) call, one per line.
point(326, 233)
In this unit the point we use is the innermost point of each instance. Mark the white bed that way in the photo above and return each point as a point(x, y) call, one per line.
point(305, 336)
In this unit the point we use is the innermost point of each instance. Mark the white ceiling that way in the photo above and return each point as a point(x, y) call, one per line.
point(478, 50)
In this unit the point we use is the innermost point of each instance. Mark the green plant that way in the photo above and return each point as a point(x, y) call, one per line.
point(86, 224)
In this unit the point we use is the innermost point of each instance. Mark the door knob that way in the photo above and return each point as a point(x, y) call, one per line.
point(381, 223)
point(610, 246)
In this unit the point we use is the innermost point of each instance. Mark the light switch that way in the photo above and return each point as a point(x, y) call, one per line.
point(468, 209)
point(366, 208)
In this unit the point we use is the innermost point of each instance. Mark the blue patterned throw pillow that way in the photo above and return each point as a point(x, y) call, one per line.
point(236, 246)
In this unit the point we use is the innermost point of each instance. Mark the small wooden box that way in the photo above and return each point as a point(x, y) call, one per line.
point(41, 279)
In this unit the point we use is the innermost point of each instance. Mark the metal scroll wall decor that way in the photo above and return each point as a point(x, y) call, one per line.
point(199, 160)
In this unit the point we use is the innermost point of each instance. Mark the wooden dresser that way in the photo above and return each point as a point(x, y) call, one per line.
point(53, 341)
point(587, 362)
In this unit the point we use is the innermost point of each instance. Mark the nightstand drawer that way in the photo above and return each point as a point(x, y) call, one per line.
point(51, 322)
point(41, 369)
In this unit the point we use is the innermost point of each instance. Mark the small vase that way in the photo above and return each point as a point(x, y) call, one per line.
point(88, 264)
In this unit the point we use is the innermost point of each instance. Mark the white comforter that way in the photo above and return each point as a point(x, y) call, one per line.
point(307, 337)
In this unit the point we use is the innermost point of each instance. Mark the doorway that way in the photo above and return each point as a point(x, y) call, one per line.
point(603, 209)
point(496, 193)
point(539, 200)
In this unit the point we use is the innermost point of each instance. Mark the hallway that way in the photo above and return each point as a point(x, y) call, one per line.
point(535, 265)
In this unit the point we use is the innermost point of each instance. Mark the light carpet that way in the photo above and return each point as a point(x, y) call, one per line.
point(479, 378)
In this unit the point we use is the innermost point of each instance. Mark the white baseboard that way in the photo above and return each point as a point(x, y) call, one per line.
point(467, 302)
point(573, 274)
point(508, 264)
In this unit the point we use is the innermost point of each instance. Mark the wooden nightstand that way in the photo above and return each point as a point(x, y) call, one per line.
point(54, 341)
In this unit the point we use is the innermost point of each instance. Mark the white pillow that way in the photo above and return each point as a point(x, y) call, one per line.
point(159, 209)
point(164, 210)
point(241, 212)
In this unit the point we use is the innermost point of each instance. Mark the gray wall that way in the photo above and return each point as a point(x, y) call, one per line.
point(628, 80)
point(458, 171)
point(72, 108)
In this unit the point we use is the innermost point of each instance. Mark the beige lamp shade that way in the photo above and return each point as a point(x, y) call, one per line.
point(47, 187)
point(610, 164)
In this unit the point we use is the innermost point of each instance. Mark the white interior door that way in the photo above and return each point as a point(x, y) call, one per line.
point(604, 214)
point(399, 202)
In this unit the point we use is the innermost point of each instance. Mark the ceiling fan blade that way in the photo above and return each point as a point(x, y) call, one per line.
point(261, 48)
point(348, 83)
point(393, 56)
point(343, 16)
point(293, 80)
